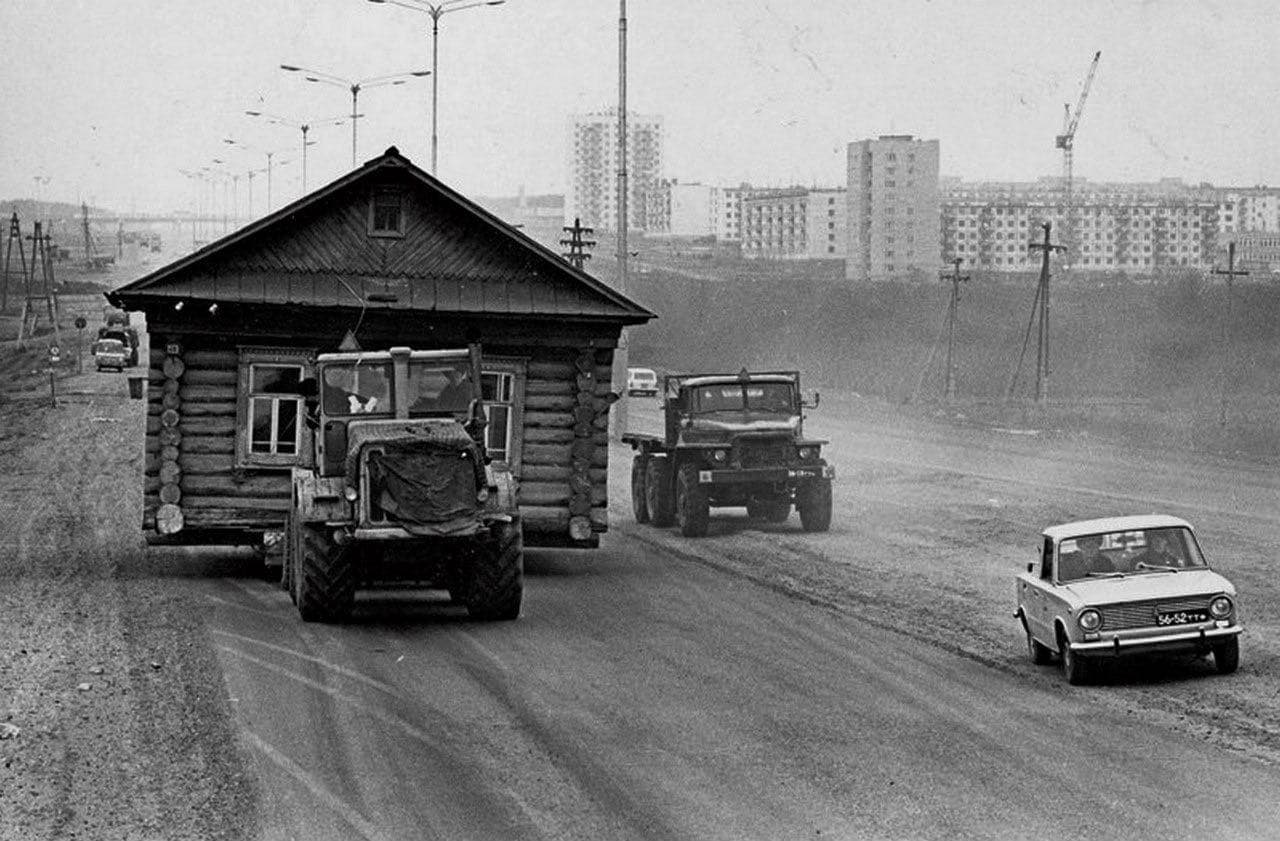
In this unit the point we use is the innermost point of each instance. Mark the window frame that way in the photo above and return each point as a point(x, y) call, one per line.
point(249, 356)
point(387, 233)
point(515, 367)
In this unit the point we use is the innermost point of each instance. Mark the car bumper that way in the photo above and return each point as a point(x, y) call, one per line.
point(761, 475)
point(1201, 638)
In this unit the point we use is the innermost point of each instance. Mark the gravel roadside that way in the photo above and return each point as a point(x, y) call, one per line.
point(113, 716)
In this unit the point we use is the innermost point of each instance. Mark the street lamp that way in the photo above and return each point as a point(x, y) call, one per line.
point(355, 88)
point(437, 10)
point(267, 169)
point(305, 127)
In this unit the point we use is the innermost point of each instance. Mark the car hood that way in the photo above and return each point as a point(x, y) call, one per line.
point(1148, 585)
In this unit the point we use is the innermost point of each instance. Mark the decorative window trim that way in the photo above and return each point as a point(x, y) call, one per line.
point(251, 355)
point(388, 233)
point(515, 367)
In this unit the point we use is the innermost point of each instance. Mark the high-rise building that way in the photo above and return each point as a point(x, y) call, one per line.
point(893, 209)
point(593, 171)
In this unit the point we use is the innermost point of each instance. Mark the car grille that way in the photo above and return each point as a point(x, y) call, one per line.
point(764, 453)
point(1118, 617)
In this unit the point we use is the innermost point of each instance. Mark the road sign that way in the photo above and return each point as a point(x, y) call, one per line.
point(55, 353)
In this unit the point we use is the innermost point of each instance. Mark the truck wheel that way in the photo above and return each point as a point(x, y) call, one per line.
point(325, 578)
point(639, 502)
point(772, 510)
point(1226, 656)
point(814, 504)
point(657, 494)
point(693, 511)
point(497, 577)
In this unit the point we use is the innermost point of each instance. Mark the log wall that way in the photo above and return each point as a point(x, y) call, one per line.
point(191, 479)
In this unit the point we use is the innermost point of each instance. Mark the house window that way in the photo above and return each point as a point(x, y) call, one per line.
point(502, 388)
point(386, 214)
point(270, 431)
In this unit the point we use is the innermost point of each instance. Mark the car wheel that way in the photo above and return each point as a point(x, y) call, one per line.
point(1226, 656)
point(1074, 667)
point(657, 489)
point(693, 510)
point(639, 503)
point(1040, 654)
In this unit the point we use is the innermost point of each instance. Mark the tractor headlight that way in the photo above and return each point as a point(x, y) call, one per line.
point(1220, 607)
point(1090, 620)
point(350, 493)
point(720, 456)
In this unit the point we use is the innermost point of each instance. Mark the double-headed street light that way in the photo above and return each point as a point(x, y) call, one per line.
point(267, 169)
point(355, 86)
point(305, 127)
point(437, 10)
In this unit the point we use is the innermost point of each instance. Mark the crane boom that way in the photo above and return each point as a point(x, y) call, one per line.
point(1071, 119)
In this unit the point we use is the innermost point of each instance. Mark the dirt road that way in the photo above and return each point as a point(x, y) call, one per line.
point(760, 683)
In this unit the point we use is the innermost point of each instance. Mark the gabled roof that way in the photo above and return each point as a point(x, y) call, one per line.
point(454, 257)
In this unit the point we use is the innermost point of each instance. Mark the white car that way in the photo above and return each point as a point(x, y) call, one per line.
point(642, 382)
point(1125, 586)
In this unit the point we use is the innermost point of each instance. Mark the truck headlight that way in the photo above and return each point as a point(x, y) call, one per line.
point(350, 493)
point(482, 495)
point(1220, 607)
point(806, 453)
point(1090, 620)
point(719, 456)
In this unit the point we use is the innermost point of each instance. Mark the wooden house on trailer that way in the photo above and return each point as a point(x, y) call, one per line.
point(386, 255)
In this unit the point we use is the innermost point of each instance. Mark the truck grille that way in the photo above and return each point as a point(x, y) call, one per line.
point(764, 453)
point(1118, 617)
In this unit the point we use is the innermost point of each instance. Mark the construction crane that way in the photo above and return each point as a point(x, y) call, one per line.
point(1066, 142)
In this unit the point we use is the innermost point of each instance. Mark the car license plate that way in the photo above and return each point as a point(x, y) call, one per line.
point(1182, 617)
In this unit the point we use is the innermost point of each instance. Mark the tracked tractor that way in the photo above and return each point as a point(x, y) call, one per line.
point(399, 491)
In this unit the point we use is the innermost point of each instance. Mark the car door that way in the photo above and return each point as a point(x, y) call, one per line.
point(1033, 595)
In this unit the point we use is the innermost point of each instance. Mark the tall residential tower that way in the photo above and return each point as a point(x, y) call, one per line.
point(893, 209)
point(593, 171)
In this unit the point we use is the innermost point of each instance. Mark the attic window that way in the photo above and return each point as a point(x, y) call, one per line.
point(386, 214)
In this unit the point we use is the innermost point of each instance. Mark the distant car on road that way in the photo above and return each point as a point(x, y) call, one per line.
point(1125, 586)
point(642, 382)
point(110, 353)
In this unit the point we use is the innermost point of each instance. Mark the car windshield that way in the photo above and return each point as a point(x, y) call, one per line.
point(768, 398)
point(439, 387)
point(1123, 553)
point(357, 388)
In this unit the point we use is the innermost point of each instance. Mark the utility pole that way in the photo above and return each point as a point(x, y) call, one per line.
point(1041, 313)
point(619, 413)
point(955, 278)
point(577, 254)
point(1231, 273)
point(15, 234)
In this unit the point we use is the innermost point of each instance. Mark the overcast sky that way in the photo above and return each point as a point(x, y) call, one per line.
point(109, 99)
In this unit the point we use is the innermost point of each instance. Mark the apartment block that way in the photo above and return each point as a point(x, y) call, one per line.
point(893, 209)
point(1132, 228)
point(794, 223)
point(593, 171)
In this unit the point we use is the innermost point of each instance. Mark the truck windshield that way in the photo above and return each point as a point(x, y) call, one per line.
point(357, 388)
point(767, 398)
point(439, 387)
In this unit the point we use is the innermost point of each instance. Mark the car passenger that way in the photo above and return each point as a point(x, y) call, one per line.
point(1091, 556)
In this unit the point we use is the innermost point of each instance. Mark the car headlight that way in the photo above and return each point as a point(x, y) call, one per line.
point(1220, 607)
point(350, 493)
point(1090, 620)
point(806, 453)
point(720, 456)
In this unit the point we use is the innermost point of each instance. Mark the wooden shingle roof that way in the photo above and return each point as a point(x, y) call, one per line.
point(453, 257)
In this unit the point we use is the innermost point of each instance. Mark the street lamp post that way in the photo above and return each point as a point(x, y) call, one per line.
point(436, 11)
point(252, 172)
point(355, 86)
point(304, 127)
